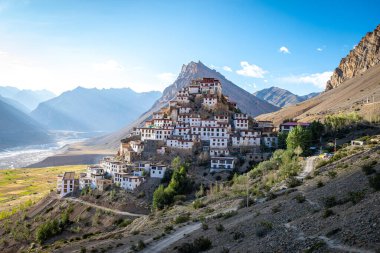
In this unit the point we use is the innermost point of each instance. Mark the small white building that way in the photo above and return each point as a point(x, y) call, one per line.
point(270, 141)
point(157, 171)
point(210, 102)
point(183, 99)
point(185, 110)
point(128, 181)
point(66, 183)
point(215, 152)
point(245, 141)
point(218, 142)
point(222, 163)
point(221, 118)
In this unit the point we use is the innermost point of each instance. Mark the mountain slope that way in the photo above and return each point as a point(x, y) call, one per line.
point(246, 102)
point(28, 98)
point(364, 56)
point(94, 110)
point(351, 96)
point(18, 129)
point(281, 97)
point(354, 86)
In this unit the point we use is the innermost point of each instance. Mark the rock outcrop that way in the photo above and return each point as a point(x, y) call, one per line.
point(364, 56)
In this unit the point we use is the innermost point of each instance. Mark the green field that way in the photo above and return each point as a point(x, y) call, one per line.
point(21, 187)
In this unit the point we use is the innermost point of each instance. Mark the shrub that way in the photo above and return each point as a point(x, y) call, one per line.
point(122, 222)
point(82, 249)
point(198, 204)
point(368, 169)
point(332, 174)
point(182, 218)
point(140, 245)
point(374, 182)
point(204, 226)
point(198, 245)
point(293, 182)
point(276, 208)
point(168, 229)
point(229, 214)
point(219, 227)
point(264, 228)
point(333, 232)
point(356, 197)
point(300, 198)
point(327, 213)
point(238, 235)
point(329, 201)
point(320, 184)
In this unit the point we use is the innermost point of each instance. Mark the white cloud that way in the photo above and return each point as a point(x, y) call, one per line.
point(226, 68)
point(251, 70)
point(265, 81)
point(317, 79)
point(167, 77)
point(319, 49)
point(108, 66)
point(284, 50)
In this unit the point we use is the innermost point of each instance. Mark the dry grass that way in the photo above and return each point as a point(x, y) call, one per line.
point(18, 186)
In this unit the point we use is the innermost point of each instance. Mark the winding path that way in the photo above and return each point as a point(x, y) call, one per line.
point(104, 208)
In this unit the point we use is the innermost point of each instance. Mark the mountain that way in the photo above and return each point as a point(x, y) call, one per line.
point(18, 129)
point(15, 104)
point(94, 109)
point(363, 57)
point(28, 98)
point(352, 87)
point(281, 97)
point(247, 102)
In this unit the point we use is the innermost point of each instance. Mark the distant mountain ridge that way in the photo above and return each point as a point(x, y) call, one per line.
point(247, 102)
point(30, 99)
point(361, 58)
point(281, 97)
point(103, 110)
point(18, 129)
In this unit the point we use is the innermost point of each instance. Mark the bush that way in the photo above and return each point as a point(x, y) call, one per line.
point(300, 198)
point(238, 235)
point(168, 229)
point(368, 169)
point(219, 227)
point(229, 214)
point(327, 213)
point(198, 245)
point(264, 228)
point(204, 226)
point(329, 201)
point(182, 218)
point(374, 182)
point(356, 197)
point(198, 204)
point(293, 182)
point(332, 174)
point(320, 184)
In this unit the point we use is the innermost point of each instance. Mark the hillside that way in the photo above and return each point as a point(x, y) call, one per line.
point(354, 86)
point(103, 110)
point(247, 102)
point(281, 97)
point(18, 129)
point(28, 98)
point(363, 57)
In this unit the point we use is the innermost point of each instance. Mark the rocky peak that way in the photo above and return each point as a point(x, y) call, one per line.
point(364, 56)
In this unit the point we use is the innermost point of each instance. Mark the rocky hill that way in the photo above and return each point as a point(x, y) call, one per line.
point(281, 97)
point(364, 56)
point(247, 102)
point(360, 93)
point(94, 110)
point(18, 129)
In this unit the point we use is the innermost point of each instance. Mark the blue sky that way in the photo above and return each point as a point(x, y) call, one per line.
point(60, 44)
